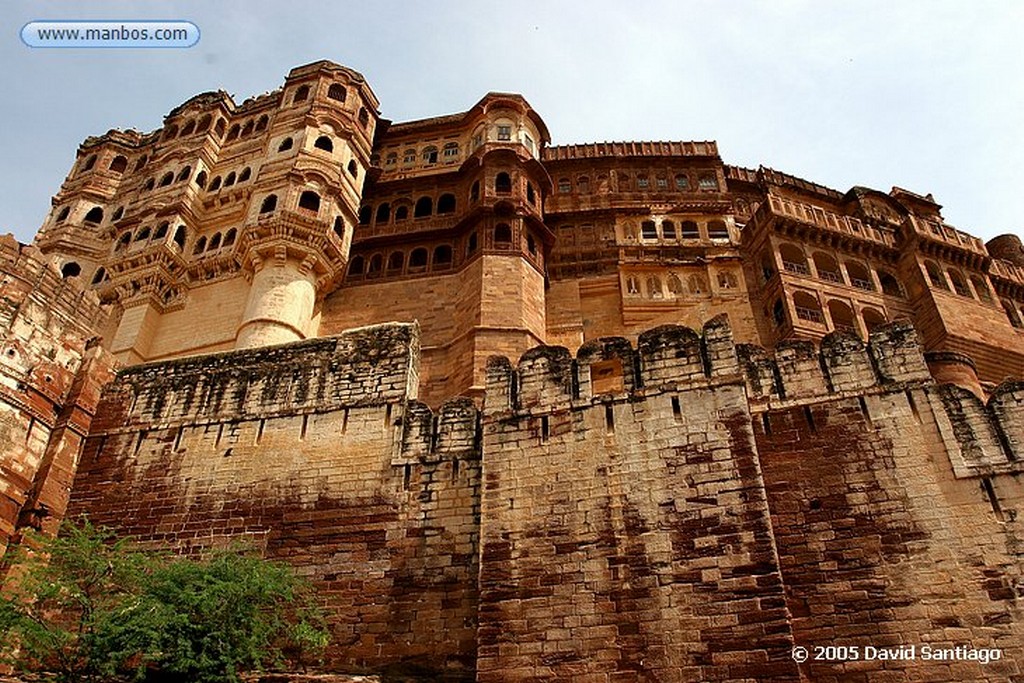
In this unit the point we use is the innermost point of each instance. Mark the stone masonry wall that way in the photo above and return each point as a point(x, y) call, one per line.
point(315, 453)
point(625, 531)
point(895, 506)
point(50, 375)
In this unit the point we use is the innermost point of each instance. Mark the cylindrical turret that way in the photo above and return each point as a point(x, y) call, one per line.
point(1007, 247)
point(948, 367)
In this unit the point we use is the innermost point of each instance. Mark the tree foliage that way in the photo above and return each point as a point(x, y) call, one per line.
point(89, 606)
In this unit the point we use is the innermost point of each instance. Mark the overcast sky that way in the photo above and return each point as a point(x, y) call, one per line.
point(925, 95)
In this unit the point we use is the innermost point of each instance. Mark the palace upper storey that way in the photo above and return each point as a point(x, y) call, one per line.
point(303, 212)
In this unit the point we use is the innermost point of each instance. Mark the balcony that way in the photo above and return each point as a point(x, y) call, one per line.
point(820, 218)
point(798, 268)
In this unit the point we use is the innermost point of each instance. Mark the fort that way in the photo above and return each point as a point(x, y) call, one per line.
point(597, 413)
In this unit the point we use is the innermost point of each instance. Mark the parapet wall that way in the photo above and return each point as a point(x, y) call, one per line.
point(51, 371)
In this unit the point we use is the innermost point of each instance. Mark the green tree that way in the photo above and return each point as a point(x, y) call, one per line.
point(89, 606)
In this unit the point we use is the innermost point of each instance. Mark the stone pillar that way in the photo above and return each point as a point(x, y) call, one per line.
point(281, 302)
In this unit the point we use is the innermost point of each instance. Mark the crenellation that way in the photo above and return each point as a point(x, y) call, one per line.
point(545, 377)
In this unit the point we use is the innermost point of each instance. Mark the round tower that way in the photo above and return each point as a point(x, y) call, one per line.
point(1007, 247)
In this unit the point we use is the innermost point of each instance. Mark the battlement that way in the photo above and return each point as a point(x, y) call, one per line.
point(363, 367)
point(593, 150)
point(453, 433)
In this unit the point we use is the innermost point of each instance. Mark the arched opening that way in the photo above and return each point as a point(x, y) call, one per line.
point(1011, 313)
point(807, 307)
point(233, 133)
point(530, 194)
point(471, 244)
point(779, 313)
point(668, 230)
point(189, 128)
point(935, 275)
point(309, 201)
point(214, 243)
point(167, 179)
point(339, 227)
point(336, 92)
point(982, 289)
point(204, 123)
point(261, 125)
point(424, 207)
point(502, 236)
point(118, 212)
point(564, 186)
point(245, 174)
point(632, 286)
point(842, 317)
point(355, 266)
point(219, 127)
point(395, 262)
point(583, 185)
point(418, 260)
point(959, 283)
point(64, 213)
point(474, 191)
point(675, 285)
point(161, 230)
point(353, 169)
point(365, 215)
point(793, 259)
point(682, 182)
point(99, 275)
point(229, 237)
point(214, 184)
point(860, 277)
point(201, 179)
point(323, 142)
point(118, 164)
point(429, 154)
point(376, 263)
point(185, 174)
point(269, 204)
point(827, 267)
point(171, 132)
point(873, 319)
point(648, 230)
point(654, 287)
point(727, 280)
point(383, 214)
point(70, 269)
point(95, 215)
point(364, 117)
point(123, 241)
point(230, 179)
point(285, 145)
point(401, 213)
point(142, 235)
point(150, 184)
point(446, 203)
point(180, 236)
point(531, 245)
point(718, 230)
point(503, 183)
point(301, 94)
point(688, 230)
point(442, 257)
point(707, 181)
point(697, 284)
point(890, 285)
point(200, 246)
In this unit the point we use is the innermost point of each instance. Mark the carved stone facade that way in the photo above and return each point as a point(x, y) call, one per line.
point(313, 308)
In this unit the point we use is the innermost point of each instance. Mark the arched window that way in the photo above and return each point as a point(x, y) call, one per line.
point(654, 287)
point(890, 285)
point(301, 94)
point(99, 275)
point(310, 201)
point(200, 246)
point(247, 130)
point(503, 183)
point(935, 275)
point(189, 128)
point(984, 293)
point(675, 286)
point(171, 132)
point(827, 267)
point(285, 145)
point(642, 182)
point(583, 184)
point(214, 184)
point(668, 230)
point(64, 213)
point(142, 235)
point(339, 227)
point(269, 204)
point(689, 230)
point(682, 182)
point(336, 92)
point(409, 157)
point(697, 284)
point(442, 257)
point(418, 259)
point(707, 181)
point(446, 203)
point(859, 276)
point(179, 236)
point(471, 244)
point(807, 307)
point(395, 262)
point(123, 241)
point(150, 184)
point(531, 245)
point(564, 186)
point(726, 280)
point(530, 194)
point(118, 164)
point(872, 319)
point(229, 237)
point(779, 313)
point(214, 243)
point(201, 179)
point(233, 133)
point(793, 259)
point(959, 283)
point(185, 174)
point(648, 230)
point(219, 127)
point(353, 169)
point(451, 151)
point(323, 142)
point(474, 191)
point(424, 207)
point(118, 212)
point(391, 159)
point(502, 236)
point(355, 266)
point(364, 117)
point(230, 179)
point(623, 179)
point(167, 179)
point(204, 123)
point(161, 230)
point(632, 286)
point(70, 269)
point(662, 183)
point(245, 174)
point(365, 214)
point(401, 213)
point(430, 154)
point(717, 230)
point(261, 125)
point(383, 214)
point(141, 163)
point(376, 262)
point(842, 317)
point(1011, 313)
point(95, 215)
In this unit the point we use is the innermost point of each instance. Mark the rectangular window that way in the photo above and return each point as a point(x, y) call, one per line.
point(504, 133)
